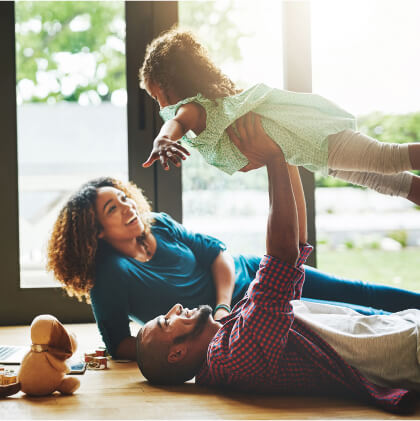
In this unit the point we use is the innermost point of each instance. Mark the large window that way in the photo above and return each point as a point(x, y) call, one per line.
point(71, 109)
point(366, 58)
point(71, 112)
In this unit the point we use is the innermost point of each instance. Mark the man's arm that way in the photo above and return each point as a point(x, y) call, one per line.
point(260, 333)
point(254, 344)
point(300, 202)
point(282, 226)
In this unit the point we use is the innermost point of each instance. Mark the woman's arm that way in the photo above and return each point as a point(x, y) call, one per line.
point(126, 350)
point(223, 271)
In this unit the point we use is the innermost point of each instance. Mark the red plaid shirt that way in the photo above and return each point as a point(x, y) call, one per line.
point(261, 348)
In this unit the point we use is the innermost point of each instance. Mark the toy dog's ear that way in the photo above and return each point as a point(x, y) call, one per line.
point(60, 343)
point(9, 389)
point(73, 341)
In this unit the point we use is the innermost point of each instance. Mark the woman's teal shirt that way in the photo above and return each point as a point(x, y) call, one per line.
point(179, 272)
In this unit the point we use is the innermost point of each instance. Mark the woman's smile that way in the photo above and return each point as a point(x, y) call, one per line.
point(133, 219)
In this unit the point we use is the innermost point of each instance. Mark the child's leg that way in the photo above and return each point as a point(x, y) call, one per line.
point(393, 185)
point(404, 184)
point(353, 151)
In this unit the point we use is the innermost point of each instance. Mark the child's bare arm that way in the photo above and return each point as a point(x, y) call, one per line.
point(190, 116)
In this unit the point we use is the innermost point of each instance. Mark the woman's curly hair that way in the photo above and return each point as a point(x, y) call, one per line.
point(176, 61)
point(74, 240)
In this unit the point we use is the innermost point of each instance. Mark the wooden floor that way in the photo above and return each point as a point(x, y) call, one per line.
point(120, 392)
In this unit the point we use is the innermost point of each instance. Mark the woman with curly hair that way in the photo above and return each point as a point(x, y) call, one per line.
point(194, 95)
point(108, 248)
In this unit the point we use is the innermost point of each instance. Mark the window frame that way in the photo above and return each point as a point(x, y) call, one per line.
point(144, 21)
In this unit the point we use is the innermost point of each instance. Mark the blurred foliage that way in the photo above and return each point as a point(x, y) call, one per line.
point(401, 236)
point(322, 181)
point(93, 30)
point(94, 33)
point(391, 127)
point(215, 25)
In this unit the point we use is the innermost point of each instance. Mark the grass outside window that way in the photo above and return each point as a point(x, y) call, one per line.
point(374, 266)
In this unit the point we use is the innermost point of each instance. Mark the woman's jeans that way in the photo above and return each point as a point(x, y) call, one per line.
point(360, 296)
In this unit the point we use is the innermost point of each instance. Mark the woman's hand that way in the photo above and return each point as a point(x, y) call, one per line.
point(220, 313)
point(253, 141)
point(165, 149)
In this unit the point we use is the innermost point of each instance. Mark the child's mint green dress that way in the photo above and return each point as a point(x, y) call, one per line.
point(298, 122)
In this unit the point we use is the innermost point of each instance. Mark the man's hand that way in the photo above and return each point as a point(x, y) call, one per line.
point(165, 149)
point(253, 142)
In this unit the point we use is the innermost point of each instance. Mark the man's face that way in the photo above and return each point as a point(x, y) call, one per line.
point(171, 347)
point(178, 325)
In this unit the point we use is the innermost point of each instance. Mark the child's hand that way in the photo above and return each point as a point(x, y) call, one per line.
point(164, 149)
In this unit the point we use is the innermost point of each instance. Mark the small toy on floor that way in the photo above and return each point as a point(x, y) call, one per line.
point(8, 382)
point(97, 360)
point(43, 370)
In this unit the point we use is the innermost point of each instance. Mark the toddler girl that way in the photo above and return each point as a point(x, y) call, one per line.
point(198, 103)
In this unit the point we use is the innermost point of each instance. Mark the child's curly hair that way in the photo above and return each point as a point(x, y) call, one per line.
point(176, 61)
point(73, 243)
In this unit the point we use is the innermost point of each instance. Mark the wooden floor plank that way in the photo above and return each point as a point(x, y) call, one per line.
point(122, 393)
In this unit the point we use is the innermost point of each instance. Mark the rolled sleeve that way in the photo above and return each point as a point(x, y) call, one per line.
point(206, 248)
point(304, 252)
point(280, 281)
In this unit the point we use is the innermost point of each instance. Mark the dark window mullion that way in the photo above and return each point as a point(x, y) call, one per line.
point(9, 247)
point(141, 119)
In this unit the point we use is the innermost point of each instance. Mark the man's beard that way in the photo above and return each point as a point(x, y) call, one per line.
point(203, 316)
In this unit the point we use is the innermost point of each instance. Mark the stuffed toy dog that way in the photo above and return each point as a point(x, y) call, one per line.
point(43, 370)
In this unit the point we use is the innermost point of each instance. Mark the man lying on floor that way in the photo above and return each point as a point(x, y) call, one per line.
point(271, 343)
